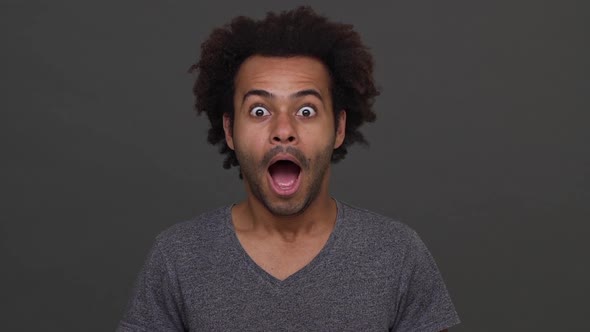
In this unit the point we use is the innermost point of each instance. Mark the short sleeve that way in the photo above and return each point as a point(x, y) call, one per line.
point(154, 304)
point(424, 304)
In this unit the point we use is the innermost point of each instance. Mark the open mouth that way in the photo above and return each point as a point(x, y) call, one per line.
point(284, 177)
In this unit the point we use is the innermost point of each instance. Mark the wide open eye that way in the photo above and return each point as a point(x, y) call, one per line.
point(306, 111)
point(259, 111)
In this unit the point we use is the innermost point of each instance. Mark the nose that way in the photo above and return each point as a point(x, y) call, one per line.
point(283, 131)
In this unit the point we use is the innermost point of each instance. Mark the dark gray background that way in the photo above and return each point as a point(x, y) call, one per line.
point(480, 145)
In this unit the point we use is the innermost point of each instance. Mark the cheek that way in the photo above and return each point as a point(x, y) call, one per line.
point(319, 152)
point(249, 140)
point(247, 128)
point(320, 135)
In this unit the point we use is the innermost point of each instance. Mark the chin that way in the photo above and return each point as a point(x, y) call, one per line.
point(285, 209)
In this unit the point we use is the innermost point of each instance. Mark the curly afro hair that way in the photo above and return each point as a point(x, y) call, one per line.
point(299, 32)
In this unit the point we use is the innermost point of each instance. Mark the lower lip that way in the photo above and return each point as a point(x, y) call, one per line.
point(281, 191)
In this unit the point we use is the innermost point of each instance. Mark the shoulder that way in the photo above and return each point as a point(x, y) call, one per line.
point(199, 231)
point(382, 238)
point(369, 224)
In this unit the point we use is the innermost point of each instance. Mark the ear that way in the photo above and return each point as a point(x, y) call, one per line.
point(340, 129)
point(228, 129)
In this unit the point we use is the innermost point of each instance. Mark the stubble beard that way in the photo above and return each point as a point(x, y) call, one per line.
point(254, 173)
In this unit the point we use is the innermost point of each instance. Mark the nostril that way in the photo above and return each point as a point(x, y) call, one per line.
point(289, 139)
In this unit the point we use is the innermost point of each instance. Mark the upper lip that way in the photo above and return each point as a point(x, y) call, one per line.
point(284, 156)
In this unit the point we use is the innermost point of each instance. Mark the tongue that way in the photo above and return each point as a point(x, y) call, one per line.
point(284, 173)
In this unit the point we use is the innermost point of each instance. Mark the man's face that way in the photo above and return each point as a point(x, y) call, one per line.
point(283, 131)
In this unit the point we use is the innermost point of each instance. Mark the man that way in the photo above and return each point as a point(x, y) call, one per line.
point(285, 97)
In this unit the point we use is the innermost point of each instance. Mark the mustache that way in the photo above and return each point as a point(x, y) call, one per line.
point(296, 153)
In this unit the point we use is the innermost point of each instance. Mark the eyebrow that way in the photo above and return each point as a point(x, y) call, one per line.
point(298, 94)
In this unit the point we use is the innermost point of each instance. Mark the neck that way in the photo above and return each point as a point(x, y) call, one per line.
point(319, 217)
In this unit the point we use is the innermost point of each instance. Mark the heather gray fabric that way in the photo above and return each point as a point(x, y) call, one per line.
point(374, 274)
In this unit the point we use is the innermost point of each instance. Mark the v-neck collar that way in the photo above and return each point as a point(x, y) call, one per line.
point(299, 274)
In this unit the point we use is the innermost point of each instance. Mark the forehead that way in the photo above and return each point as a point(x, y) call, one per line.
point(282, 75)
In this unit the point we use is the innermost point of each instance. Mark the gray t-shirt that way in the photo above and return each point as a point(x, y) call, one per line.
point(373, 274)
